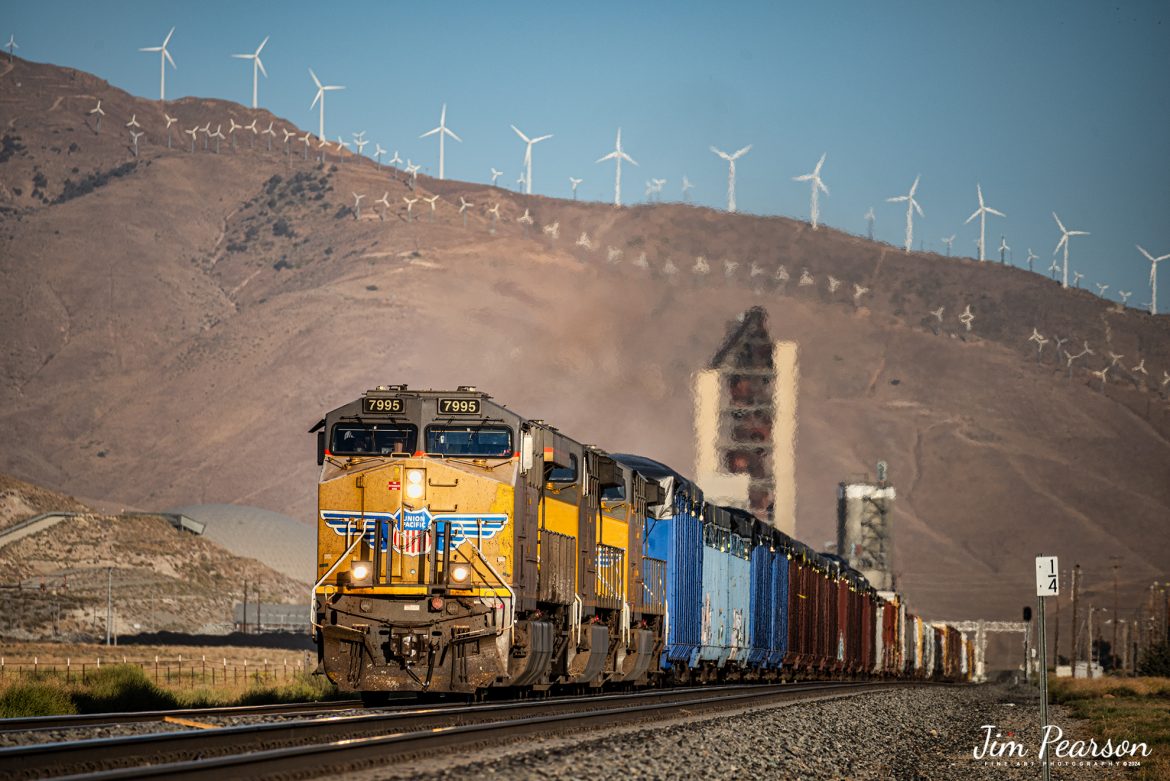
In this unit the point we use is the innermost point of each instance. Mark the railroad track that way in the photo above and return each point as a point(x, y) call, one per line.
point(104, 719)
point(332, 743)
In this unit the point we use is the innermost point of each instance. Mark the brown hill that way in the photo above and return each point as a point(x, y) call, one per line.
point(55, 581)
point(174, 326)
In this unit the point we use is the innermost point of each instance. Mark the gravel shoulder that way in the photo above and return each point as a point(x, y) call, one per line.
point(919, 733)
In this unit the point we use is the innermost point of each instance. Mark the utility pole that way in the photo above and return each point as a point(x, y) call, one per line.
point(1089, 673)
point(244, 621)
point(1075, 650)
point(1116, 613)
point(109, 603)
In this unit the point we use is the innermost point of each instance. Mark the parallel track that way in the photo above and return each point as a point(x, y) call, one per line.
point(103, 719)
point(329, 744)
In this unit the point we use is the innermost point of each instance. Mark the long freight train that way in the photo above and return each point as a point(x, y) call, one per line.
point(461, 546)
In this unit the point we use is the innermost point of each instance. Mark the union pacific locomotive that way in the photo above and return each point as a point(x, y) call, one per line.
point(462, 547)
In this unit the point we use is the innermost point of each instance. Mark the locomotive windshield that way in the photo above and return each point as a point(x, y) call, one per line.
point(478, 441)
point(380, 439)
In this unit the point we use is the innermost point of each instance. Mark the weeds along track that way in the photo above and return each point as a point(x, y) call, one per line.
point(333, 743)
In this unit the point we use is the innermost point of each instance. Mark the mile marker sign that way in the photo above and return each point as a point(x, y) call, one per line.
point(1047, 577)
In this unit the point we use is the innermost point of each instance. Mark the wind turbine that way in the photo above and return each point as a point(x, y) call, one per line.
point(618, 155)
point(869, 218)
point(496, 175)
point(911, 206)
point(1031, 256)
point(395, 160)
point(431, 202)
point(385, 201)
point(1064, 235)
point(410, 202)
point(360, 142)
point(528, 156)
point(1003, 247)
point(495, 213)
point(442, 130)
point(1153, 277)
point(464, 205)
point(206, 131)
point(252, 127)
point(133, 121)
point(134, 138)
point(218, 136)
point(1124, 296)
point(321, 90)
point(412, 169)
point(257, 68)
point(575, 183)
point(686, 188)
point(378, 152)
point(1101, 289)
point(1077, 277)
point(731, 173)
point(357, 205)
point(949, 240)
point(98, 111)
point(192, 132)
point(164, 56)
point(982, 213)
point(170, 121)
point(817, 184)
point(268, 131)
point(10, 46)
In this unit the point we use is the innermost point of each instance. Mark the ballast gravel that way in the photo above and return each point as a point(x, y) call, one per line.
point(915, 734)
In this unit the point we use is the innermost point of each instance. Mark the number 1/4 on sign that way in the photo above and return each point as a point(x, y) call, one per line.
point(1047, 577)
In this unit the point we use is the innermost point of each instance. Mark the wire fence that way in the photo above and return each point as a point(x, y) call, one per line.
point(177, 672)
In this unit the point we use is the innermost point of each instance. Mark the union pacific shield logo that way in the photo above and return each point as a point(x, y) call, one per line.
point(414, 532)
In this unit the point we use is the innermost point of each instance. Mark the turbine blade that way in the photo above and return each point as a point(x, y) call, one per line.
point(451, 133)
point(721, 153)
point(821, 185)
point(917, 208)
point(979, 191)
point(610, 156)
point(168, 38)
point(151, 49)
point(1078, 233)
point(741, 152)
point(430, 132)
point(542, 138)
point(996, 212)
point(320, 93)
point(820, 162)
point(974, 214)
point(523, 137)
point(170, 59)
point(260, 65)
point(242, 56)
point(898, 199)
point(315, 79)
point(802, 178)
point(629, 159)
point(1059, 223)
point(914, 186)
point(261, 46)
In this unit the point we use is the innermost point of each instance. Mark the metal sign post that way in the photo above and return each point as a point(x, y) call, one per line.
point(1047, 585)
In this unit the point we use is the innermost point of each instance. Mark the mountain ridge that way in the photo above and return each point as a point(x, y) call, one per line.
point(243, 299)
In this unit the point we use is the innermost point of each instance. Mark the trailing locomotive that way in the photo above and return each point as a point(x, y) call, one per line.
point(462, 547)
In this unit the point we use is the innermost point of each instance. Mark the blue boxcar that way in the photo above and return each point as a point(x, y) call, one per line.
point(674, 533)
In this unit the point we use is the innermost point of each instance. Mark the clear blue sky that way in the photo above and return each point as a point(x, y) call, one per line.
point(1059, 106)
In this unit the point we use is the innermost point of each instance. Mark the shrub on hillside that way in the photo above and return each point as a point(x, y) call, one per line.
point(35, 699)
point(121, 687)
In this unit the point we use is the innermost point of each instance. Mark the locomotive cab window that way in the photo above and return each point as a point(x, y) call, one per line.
point(373, 439)
point(561, 474)
point(614, 493)
point(477, 441)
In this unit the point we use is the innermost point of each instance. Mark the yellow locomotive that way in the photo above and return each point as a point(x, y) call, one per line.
point(461, 546)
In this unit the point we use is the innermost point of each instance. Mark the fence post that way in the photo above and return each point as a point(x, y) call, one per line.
point(68, 670)
point(156, 668)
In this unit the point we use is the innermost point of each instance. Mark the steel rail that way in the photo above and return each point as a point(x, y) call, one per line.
point(66, 721)
point(297, 745)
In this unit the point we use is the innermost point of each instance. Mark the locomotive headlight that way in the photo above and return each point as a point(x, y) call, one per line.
point(460, 573)
point(361, 574)
point(414, 484)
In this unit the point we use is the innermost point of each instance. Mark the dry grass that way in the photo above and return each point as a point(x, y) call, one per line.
point(1133, 709)
point(89, 653)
